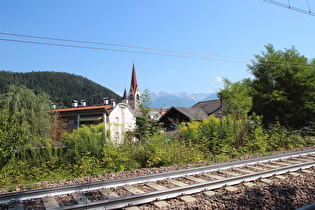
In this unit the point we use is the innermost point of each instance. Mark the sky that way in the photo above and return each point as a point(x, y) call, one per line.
point(176, 46)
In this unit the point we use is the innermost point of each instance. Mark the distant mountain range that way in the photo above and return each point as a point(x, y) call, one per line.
point(167, 100)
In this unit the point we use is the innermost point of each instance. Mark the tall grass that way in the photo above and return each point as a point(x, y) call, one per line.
point(87, 151)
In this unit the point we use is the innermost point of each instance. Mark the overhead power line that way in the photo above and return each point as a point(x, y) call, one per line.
point(119, 50)
point(288, 6)
point(186, 53)
point(119, 45)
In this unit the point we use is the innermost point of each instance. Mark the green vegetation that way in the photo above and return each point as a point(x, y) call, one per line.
point(24, 121)
point(61, 87)
point(147, 127)
point(284, 87)
point(282, 118)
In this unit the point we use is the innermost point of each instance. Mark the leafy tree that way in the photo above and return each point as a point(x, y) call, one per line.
point(59, 127)
point(237, 98)
point(24, 119)
point(11, 135)
point(284, 87)
point(146, 126)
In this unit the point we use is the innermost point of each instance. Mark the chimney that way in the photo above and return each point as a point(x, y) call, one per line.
point(83, 102)
point(106, 100)
point(74, 103)
point(53, 106)
point(112, 102)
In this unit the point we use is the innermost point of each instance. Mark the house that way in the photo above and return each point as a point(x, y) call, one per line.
point(156, 114)
point(199, 111)
point(118, 118)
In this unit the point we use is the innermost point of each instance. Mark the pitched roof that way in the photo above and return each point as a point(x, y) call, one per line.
point(134, 82)
point(193, 113)
point(209, 107)
point(199, 111)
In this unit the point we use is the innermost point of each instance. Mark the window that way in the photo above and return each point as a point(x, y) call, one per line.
point(72, 122)
point(117, 135)
point(117, 120)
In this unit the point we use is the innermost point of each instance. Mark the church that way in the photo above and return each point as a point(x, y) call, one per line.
point(133, 98)
point(118, 119)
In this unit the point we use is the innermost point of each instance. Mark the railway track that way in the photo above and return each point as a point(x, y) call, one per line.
point(119, 193)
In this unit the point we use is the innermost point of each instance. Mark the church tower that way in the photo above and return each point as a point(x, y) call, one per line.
point(133, 98)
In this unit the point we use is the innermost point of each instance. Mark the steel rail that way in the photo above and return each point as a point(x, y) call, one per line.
point(139, 199)
point(54, 191)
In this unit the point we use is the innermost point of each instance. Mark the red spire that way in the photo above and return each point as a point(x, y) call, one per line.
point(134, 82)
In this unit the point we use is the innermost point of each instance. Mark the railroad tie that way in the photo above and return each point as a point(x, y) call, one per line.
point(271, 166)
point(133, 189)
point(294, 174)
point(188, 198)
point(229, 173)
point(249, 184)
point(280, 177)
point(108, 193)
point(255, 168)
point(195, 179)
point(242, 170)
point(307, 158)
point(230, 189)
point(307, 171)
point(209, 193)
point(177, 183)
point(50, 203)
point(161, 204)
point(81, 198)
point(155, 186)
point(282, 163)
point(267, 181)
point(213, 176)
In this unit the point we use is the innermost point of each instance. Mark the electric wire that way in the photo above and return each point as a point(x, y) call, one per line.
point(119, 50)
point(118, 45)
point(291, 7)
point(276, 62)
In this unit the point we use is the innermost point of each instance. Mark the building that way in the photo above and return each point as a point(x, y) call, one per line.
point(118, 118)
point(202, 110)
point(134, 96)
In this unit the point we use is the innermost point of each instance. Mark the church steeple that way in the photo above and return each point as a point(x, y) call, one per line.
point(134, 82)
point(134, 92)
point(125, 97)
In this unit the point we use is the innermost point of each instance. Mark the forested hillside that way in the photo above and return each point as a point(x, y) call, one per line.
point(62, 87)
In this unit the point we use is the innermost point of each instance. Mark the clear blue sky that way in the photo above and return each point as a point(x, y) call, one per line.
point(220, 27)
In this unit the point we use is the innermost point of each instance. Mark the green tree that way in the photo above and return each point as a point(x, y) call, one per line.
point(146, 126)
point(237, 98)
point(24, 119)
point(11, 135)
point(284, 87)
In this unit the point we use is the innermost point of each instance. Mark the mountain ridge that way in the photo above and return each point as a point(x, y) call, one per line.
point(62, 87)
point(166, 100)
